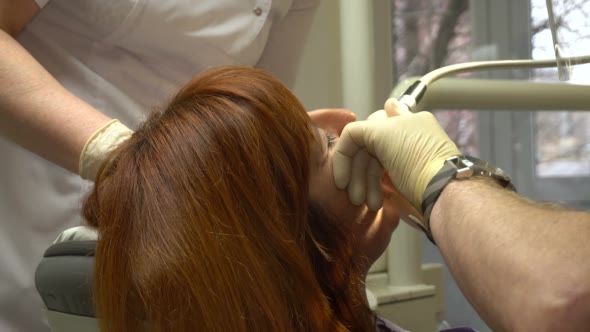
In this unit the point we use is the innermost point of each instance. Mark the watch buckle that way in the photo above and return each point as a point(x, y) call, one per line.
point(463, 165)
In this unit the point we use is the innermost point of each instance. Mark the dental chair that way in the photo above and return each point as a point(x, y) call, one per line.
point(64, 281)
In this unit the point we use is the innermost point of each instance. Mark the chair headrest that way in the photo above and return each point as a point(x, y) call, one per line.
point(65, 274)
point(79, 233)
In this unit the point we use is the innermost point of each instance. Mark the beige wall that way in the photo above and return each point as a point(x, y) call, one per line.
point(320, 84)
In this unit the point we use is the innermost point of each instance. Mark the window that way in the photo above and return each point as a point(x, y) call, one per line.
point(562, 139)
point(550, 150)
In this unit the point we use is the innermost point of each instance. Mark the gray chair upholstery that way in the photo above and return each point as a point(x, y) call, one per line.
point(64, 281)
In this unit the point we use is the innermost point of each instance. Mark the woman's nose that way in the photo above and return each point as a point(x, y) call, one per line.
point(332, 120)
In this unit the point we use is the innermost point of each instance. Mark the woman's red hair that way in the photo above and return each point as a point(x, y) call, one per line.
point(203, 216)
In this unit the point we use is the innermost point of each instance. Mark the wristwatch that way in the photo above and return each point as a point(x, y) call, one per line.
point(459, 167)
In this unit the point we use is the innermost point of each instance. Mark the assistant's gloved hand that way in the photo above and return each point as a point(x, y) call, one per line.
point(411, 147)
point(99, 145)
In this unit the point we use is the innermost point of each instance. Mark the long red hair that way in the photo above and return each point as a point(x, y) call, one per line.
point(204, 219)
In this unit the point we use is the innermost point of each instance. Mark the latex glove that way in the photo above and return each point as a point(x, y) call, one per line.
point(365, 177)
point(99, 145)
point(411, 147)
point(378, 183)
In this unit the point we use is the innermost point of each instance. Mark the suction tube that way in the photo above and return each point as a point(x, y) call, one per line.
point(412, 96)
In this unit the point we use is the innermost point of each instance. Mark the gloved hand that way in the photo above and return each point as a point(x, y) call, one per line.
point(411, 147)
point(99, 145)
point(366, 174)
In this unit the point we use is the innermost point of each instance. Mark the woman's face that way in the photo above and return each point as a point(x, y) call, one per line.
point(372, 230)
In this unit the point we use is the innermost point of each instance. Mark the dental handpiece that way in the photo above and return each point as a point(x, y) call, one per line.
point(413, 95)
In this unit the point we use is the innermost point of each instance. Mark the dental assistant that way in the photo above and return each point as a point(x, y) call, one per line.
point(68, 67)
point(523, 265)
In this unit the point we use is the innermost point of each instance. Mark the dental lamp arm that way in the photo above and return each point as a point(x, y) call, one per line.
point(522, 265)
point(513, 95)
point(413, 96)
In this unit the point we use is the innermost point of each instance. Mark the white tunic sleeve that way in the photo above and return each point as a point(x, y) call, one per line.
point(284, 48)
point(41, 3)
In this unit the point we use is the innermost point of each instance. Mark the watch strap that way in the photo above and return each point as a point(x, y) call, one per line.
point(433, 191)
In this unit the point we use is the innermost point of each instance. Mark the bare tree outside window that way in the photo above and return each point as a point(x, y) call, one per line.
point(562, 138)
point(428, 35)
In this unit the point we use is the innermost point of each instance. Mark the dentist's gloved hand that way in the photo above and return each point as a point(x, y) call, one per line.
point(411, 148)
point(364, 185)
point(99, 145)
point(366, 174)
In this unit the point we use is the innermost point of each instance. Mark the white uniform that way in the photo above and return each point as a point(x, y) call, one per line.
point(123, 57)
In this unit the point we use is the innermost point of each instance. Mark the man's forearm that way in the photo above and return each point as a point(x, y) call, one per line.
point(519, 263)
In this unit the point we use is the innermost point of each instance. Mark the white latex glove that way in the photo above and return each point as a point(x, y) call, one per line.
point(99, 145)
point(411, 147)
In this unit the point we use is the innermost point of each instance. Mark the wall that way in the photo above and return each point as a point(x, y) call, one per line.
point(319, 83)
point(323, 68)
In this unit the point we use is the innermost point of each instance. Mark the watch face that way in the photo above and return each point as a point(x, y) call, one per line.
point(485, 168)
